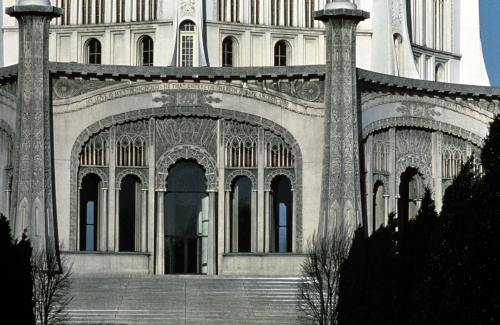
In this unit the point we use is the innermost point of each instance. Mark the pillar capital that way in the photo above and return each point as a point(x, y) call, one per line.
point(341, 9)
point(39, 9)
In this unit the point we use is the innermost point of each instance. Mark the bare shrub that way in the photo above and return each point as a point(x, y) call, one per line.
point(319, 282)
point(51, 287)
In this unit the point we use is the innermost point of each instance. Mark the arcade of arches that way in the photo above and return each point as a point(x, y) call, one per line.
point(401, 162)
point(187, 161)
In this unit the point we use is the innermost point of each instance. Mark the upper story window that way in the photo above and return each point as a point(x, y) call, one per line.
point(280, 53)
point(93, 11)
point(120, 11)
point(229, 10)
point(146, 51)
point(146, 10)
point(309, 8)
point(65, 5)
point(93, 50)
point(275, 12)
point(228, 54)
point(188, 49)
point(288, 12)
point(430, 23)
point(440, 73)
point(254, 11)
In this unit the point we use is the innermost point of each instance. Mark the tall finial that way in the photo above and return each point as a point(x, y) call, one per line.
point(340, 4)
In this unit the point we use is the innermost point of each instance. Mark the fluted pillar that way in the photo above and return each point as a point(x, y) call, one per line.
point(340, 189)
point(33, 192)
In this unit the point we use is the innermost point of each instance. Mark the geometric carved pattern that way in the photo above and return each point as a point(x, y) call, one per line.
point(413, 149)
point(68, 88)
point(194, 113)
point(201, 132)
point(237, 173)
point(422, 123)
point(102, 174)
point(202, 157)
point(382, 179)
point(311, 91)
point(129, 171)
point(411, 141)
point(279, 172)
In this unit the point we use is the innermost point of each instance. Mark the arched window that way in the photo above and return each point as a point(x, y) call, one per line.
point(228, 52)
point(129, 227)
point(440, 74)
point(90, 200)
point(410, 195)
point(146, 51)
point(241, 215)
point(282, 214)
point(378, 205)
point(187, 44)
point(398, 50)
point(281, 53)
point(93, 50)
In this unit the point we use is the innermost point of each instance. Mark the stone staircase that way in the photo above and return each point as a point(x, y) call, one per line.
point(182, 300)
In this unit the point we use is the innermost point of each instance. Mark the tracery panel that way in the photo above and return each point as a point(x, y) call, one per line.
point(241, 144)
point(132, 144)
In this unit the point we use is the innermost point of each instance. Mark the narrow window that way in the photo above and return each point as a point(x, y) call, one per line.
point(187, 44)
point(120, 11)
point(146, 51)
point(84, 12)
point(280, 53)
point(309, 8)
point(241, 219)
point(378, 205)
point(440, 74)
point(283, 214)
point(94, 51)
point(89, 212)
point(130, 214)
point(227, 52)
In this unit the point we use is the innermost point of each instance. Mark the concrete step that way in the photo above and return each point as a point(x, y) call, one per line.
point(182, 300)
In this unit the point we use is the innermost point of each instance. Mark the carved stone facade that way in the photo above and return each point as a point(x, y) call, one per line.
point(345, 145)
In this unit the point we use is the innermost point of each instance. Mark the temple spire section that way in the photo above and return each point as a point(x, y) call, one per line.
point(340, 187)
point(33, 205)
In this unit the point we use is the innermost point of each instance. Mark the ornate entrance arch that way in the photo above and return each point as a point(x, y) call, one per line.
point(202, 157)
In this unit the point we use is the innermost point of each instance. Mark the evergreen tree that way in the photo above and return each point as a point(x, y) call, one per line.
point(368, 278)
point(16, 290)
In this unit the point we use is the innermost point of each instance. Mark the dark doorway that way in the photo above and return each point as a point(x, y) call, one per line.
point(130, 214)
point(282, 214)
point(409, 195)
point(241, 218)
point(186, 219)
point(89, 212)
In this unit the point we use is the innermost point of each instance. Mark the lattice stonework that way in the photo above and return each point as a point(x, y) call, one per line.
point(132, 144)
point(381, 152)
point(95, 151)
point(453, 155)
point(277, 152)
point(187, 137)
point(241, 144)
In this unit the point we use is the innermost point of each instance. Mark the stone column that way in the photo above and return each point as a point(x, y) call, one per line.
point(144, 219)
point(103, 221)
point(160, 229)
point(33, 186)
point(340, 188)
